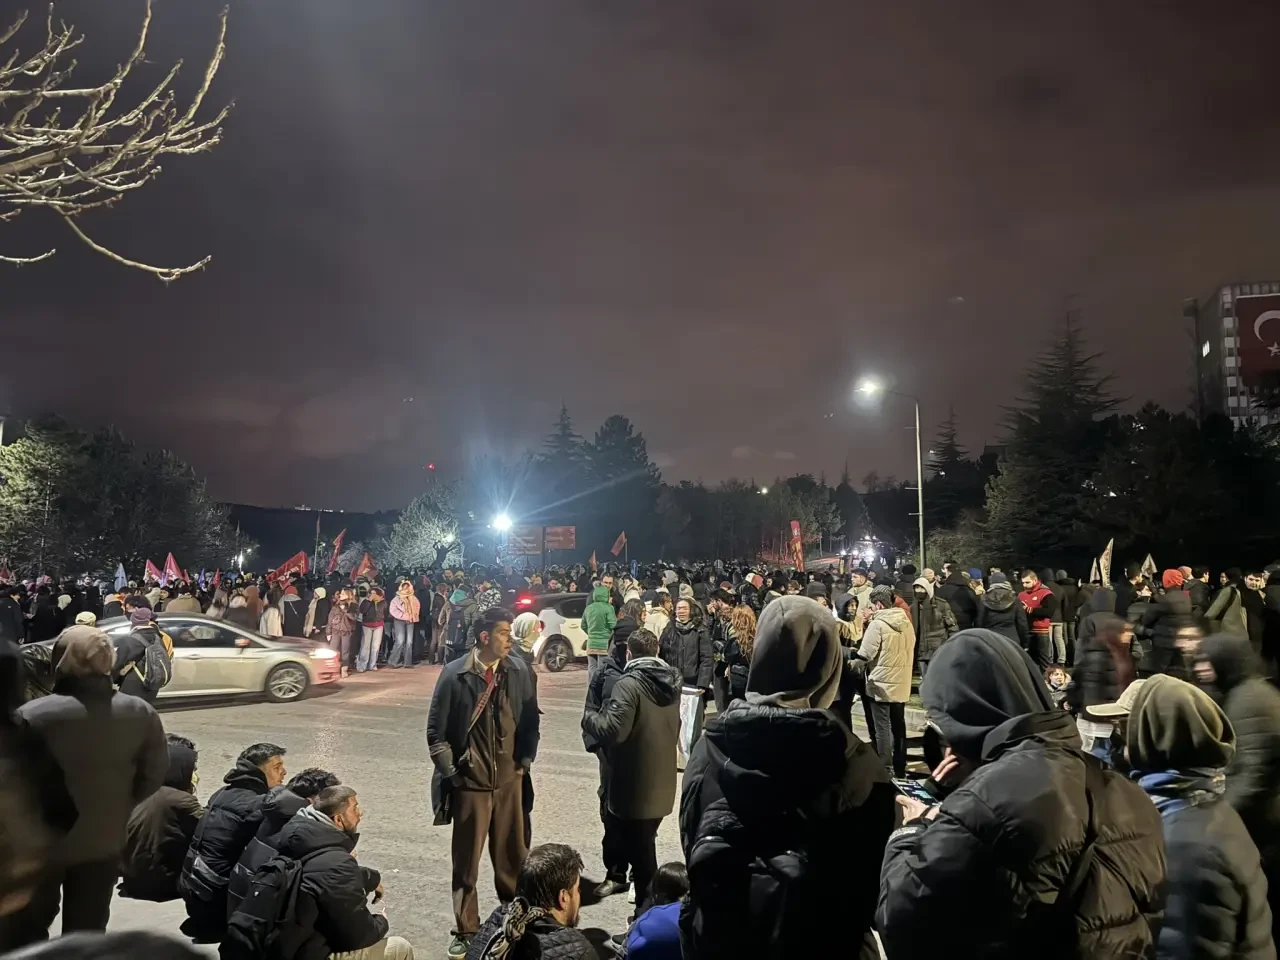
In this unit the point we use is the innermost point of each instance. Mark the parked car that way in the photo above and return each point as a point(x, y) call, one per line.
point(562, 639)
point(216, 658)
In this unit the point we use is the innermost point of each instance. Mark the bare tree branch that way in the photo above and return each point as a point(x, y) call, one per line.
point(101, 152)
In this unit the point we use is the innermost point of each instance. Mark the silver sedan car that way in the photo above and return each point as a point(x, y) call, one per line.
point(216, 658)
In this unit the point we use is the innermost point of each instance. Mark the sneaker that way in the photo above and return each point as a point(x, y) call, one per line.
point(631, 893)
point(345, 672)
point(610, 888)
point(458, 947)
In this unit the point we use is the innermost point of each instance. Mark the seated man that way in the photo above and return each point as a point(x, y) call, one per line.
point(332, 910)
point(160, 829)
point(542, 920)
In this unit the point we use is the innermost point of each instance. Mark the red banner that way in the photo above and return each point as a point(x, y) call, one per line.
point(797, 545)
point(620, 544)
point(6, 575)
point(152, 572)
point(1258, 327)
point(217, 578)
point(172, 571)
point(337, 549)
point(594, 564)
point(295, 564)
point(365, 568)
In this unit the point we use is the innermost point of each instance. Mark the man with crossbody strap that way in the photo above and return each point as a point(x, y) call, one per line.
point(482, 735)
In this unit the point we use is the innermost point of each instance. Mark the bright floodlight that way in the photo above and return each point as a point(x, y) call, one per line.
point(869, 386)
point(502, 523)
point(448, 538)
point(764, 490)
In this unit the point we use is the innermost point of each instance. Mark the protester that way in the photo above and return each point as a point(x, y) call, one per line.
point(739, 644)
point(1015, 778)
point(271, 621)
point(1160, 627)
point(1105, 667)
point(887, 644)
point(613, 852)
point(1178, 744)
point(405, 611)
point(373, 618)
point(160, 829)
point(963, 601)
point(542, 920)
point(143, 658)
point(1226, 613)
point(1197, 584)
point(111, 750)
point(293, 612)
point(482, 735)
point(1041, 605)
point(230, 821)
point(317, 614)
point(934, 622)
point(460, 616)
point(239, 613)
point(1001, 611)
point(638, 728)
point(598, 621)
point(782, 803)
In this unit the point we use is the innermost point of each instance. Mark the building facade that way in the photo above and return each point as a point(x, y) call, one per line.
point(1237, 336)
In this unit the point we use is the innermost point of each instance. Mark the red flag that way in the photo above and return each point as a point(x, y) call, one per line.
point(594, 564)
point(6, 575)
point(295, 564)
point(365, 568)
point(620, 544)
point(152, 572)
point(217, 578)
point(797, 546)
point(337, 548)
point(171, 570)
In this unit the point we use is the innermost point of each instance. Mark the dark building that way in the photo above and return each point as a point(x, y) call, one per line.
point(1237, 337)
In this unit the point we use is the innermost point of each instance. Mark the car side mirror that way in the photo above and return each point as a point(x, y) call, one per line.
point(243, 642)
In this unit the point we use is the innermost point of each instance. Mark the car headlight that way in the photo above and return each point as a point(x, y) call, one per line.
point(323, 653)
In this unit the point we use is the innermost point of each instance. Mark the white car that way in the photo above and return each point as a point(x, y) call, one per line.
point(562, 639)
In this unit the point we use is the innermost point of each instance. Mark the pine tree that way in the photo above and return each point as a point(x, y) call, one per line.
point(946, 454)
point(563, 445)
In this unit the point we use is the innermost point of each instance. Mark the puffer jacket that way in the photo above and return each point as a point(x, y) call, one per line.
point(934, 621)
point(1159, 628)
point(887, 645)
point(964, 602)
point(738, 666)
point(598, 621)
point(764, 764)
point(1104, 665)
point(999, 610)
point(1217, 892)
point(599, 690)
point(1253, 707)
point(159, 833)
point(543, 939)
point(278, 808)
point(687, 647)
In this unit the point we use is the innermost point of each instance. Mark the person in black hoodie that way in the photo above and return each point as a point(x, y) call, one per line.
point(277, 810)
point(964, 602)
point(13, 627)
point(333, 916)
point(230, 821)
point(778, 778)
point(638, 728)
point(599, 690)
point(160, 830)
point(999, 610)
point(1016, 780)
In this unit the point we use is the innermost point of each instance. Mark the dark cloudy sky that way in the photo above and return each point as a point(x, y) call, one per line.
point(710, 216)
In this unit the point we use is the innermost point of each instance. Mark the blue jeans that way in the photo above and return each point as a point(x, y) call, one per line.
point(370, 641)
point(402, 631)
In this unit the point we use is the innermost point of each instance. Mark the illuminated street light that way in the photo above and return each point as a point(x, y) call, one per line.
point(502, 523)
point(448, 538)
point(764, 491)
point(869, 387)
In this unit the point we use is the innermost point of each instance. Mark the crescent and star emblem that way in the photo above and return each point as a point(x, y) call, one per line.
point(1274, 349)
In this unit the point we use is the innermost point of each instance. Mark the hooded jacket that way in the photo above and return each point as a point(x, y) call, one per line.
point(599, 690)
point(687, 647)
point(638, 728)
point(887, 645)
point(1159, 627)
point(1253, 707)
point(279, 806)
point(932, 619)
point(598, 621)
point(990, 865)
point(782, 759)
point(293, 615)
point(964, 602)
point(1226, 612)
point(159, 832)
point(332, 912)
point(1104, 665)
point(1178, 742)
point(1000, 611)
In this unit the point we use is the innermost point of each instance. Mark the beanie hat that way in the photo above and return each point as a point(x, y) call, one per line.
point(882, 595)
point(140, 617)
point(686, 592)
point(1171, 579)
point(975, 573)
point(919, 582)
point(1175, 725)
point(998, 578)
point(457, 597)
point(83, 651)
point(87, 618)
point(817, 589)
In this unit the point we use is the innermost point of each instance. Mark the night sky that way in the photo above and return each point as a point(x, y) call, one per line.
point(709, 216)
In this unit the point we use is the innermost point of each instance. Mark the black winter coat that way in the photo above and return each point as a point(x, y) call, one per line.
point(332, 911)
point(293, 615)
point(1159, 630)
point(278, 808)
point(1198, 593)
point(964, 602)
point(1007, 837)
point(934, 621)
point(544, 939)
point(12, 625)
point(764, 763)
point(1068, 598)
point(157, 838)
point(1095, 678)
point(687, 647)
point(738, 666)
point(638, 729)
point(1217, 892)
point(599, 690)
point(999, 610)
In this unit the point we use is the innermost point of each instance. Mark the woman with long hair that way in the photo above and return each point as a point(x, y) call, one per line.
point(218, 605)
point(737, 652)
point(272, 622)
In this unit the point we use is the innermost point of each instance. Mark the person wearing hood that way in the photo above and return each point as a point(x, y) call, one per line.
point(333, 915)
point(317, 614)
point(613, 853)
point(405, 611)
point(887, 644)
point(1159, 628)
point(1226, 611)
point(933, 620)
point(110, 748)
point(638, 729)
point(1228, 665)
point(184, 602)
point(271, 622)
point(341, 627)
point(279, 806)
point(779, 781)
point(525, 630)
point(1106, 664)
point(460, 617)
point(1178, 742)
point(160, 830)
point(957, 592)
point(230, 821)
point(1035, 843)
point(999, 610)
point(238, 612)
point(598, 621)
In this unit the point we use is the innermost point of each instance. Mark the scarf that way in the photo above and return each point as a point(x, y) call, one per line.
point(520, 915)
point(1174, 790)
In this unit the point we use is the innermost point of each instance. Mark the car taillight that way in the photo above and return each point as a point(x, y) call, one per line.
point(524, 602)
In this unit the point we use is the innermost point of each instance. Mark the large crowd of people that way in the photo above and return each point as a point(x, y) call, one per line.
point(1101, 772)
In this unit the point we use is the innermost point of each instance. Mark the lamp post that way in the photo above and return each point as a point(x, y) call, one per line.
point(870, 388)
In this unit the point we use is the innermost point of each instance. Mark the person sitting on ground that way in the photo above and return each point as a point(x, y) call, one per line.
point(278, 808)
point(656, 933)
point(542, 920)
point(230, 821)
point(160, 830)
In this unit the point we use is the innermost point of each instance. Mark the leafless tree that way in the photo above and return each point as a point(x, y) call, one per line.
point(70, 149)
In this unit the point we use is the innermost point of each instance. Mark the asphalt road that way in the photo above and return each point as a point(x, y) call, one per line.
point(370, 731)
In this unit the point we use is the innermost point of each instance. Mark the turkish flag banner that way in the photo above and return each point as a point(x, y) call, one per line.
point(1258, 327)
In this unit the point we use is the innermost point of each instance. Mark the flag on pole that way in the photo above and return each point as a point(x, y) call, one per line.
point(594, 565)
point(152, 572)
point(337, 548)
point(122, 578)
point(620, 544)
point(295, 564)
point(1149, 568)
point(797, 546)
point(1094, 576)
point(217, 578)
point(1104, 563)
point(6, 575)
point(365, 568)
point(172, 571)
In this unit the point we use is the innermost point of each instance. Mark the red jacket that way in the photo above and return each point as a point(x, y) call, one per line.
point(1040, 606)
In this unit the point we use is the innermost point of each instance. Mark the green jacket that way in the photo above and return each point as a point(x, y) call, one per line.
point(598, 620)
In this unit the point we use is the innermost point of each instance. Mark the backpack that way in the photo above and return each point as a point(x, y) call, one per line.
point(156, 668)
point(264, 926)
point(752, 886)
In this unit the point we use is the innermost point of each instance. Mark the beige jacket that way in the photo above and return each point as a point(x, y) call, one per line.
point(887, 644)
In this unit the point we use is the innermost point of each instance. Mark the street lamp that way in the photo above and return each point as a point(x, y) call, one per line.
point(764, 491)
point(502, 523)
point(870, 387)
